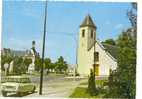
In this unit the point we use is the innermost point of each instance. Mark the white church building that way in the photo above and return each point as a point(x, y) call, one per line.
point(105, 54)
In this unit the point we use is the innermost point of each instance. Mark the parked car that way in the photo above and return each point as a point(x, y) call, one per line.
point(17, 84)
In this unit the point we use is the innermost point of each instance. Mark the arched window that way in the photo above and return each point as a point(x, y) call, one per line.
point(96, 56)
point(83, 33)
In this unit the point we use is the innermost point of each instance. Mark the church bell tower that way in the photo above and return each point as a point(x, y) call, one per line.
point(87, 37)
point(87, 33)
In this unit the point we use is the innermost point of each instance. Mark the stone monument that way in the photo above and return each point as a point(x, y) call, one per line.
point(32, 55)
point(11, 67)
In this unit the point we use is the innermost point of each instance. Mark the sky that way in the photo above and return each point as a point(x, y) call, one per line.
point(22, 22)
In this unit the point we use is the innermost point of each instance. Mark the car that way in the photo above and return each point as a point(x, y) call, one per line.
point(17, 84)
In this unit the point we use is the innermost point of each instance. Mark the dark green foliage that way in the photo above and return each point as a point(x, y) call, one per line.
point(61, 65)
point(38, 63)
point(18, 66)
point(47, 62)
point(5, 59)
point(80, 92)
point(27, 62)
point(122, 81)
point(110, 42)
point(91, 83)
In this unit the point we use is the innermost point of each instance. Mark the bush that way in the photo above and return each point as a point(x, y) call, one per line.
point(91, 84)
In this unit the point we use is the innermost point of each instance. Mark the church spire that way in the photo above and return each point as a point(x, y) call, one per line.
point(88, 22)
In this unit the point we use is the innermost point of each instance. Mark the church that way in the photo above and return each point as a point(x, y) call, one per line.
point(93, 53)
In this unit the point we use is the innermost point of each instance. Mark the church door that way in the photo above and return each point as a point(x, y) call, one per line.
point(96, 69)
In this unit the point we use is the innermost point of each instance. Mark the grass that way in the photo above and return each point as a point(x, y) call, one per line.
point(98, 82)
point(82, 92)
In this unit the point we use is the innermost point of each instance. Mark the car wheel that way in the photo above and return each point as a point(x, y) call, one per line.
point(34, 89)
point(4, 93)
point(20, 94)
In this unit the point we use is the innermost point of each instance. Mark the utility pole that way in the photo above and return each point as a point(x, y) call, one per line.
point(94, 65)
point(76, 53)
point(43, 49)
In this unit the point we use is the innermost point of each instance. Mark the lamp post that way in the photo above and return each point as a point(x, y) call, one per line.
point(43, 49)
point(94, 65)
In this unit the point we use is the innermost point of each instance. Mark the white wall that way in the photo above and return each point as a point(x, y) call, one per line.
point(85, 61)
point(106, 61)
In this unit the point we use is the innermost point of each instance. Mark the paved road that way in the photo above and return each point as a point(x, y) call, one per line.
point(53, 86)
point(57, 88)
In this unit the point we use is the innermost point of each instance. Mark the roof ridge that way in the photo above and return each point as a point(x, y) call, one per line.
point(88, 22)
point(109, 44)
point(103, 47)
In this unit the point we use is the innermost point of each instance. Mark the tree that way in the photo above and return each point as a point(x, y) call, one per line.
point(109, 41)
point(5, 59)
point(53, 65)
point(61, 65)
point(122, 82)
point(127, 64)
point(27, 62)
point(47, 62)
point(132, 15)
point(91, 83)
point(18, 66)
point(38, 63)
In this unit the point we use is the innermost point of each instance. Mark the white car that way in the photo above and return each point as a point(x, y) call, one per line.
point(17, 84)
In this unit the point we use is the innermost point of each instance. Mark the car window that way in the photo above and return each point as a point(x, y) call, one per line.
point(17, 80)
point(25, 80)
point(10, 80)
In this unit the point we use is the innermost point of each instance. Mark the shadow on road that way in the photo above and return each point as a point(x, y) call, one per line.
point(16, 95)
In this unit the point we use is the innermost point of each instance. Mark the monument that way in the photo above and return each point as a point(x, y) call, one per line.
point(32, 54)
point(11, 67)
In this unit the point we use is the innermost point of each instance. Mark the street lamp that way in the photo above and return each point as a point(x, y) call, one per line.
point(43, 49)
point(76, 58)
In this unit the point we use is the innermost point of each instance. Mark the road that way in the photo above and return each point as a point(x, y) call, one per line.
point(53, 86)
point(56, 86)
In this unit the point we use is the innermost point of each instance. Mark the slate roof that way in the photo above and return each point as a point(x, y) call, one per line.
point(18, 52)
point(111, 49)
point(88, 22)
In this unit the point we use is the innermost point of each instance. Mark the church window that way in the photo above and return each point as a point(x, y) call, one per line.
point(91, 33)
point(83, 33)
point(96, 56)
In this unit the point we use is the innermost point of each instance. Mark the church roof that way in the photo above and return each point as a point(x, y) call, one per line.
point(88, 22)
point(113, 50)
point(18, 52)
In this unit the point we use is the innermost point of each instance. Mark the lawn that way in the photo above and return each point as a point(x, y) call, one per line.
point(98, 82)
point(82, 92)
